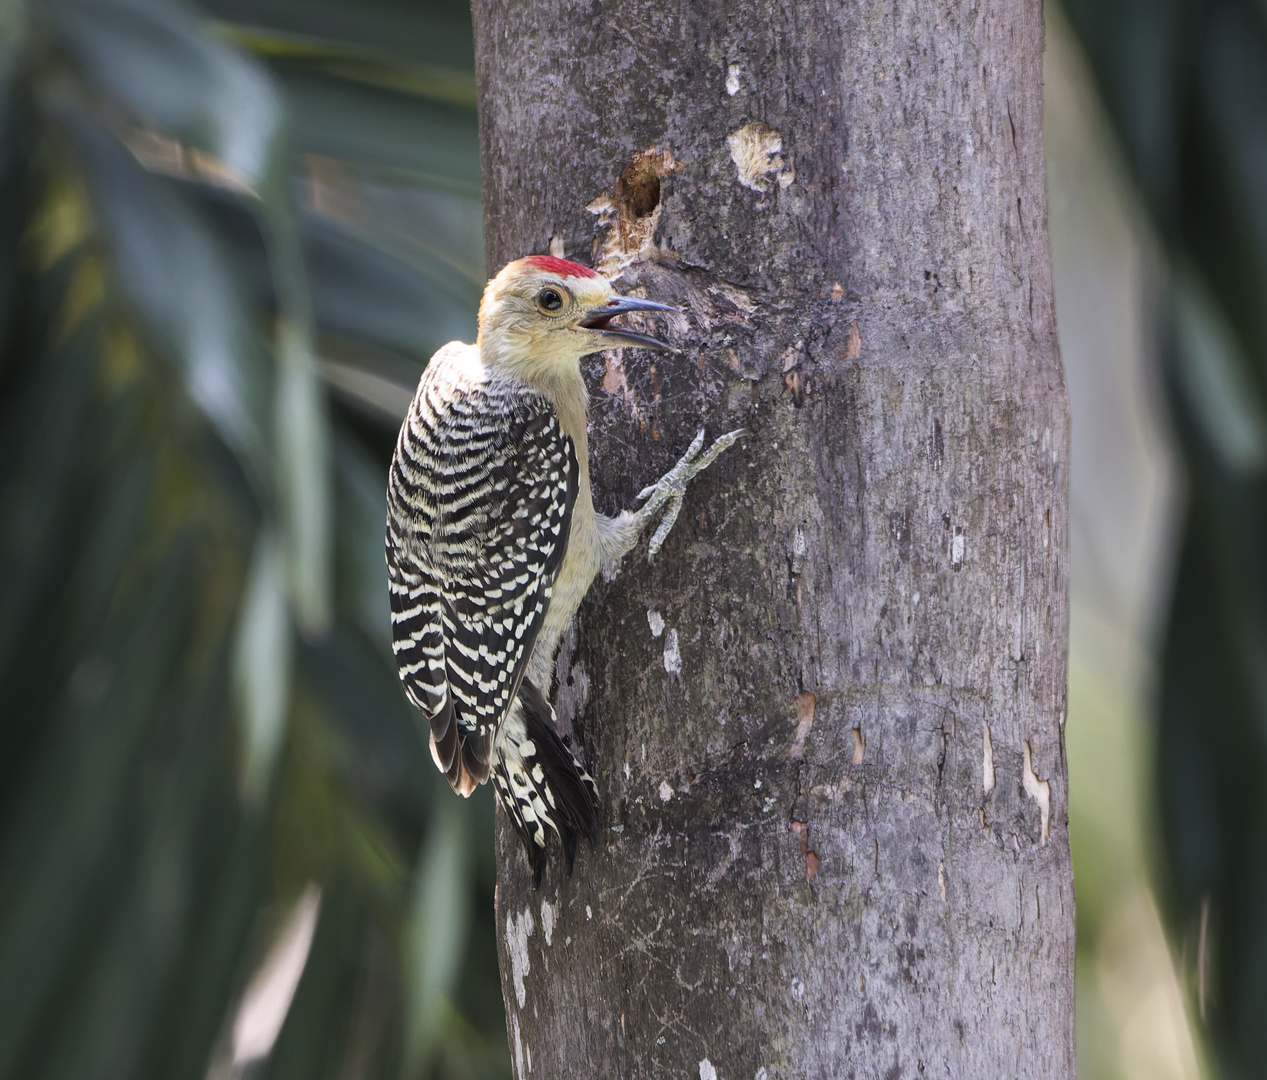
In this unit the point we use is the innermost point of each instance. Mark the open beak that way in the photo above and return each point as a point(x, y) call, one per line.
point(599, 321)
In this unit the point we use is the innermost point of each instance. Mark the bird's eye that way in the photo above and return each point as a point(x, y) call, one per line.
point(549, 300)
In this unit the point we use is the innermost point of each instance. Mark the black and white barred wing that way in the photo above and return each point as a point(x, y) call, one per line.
point(492, 619)
point(487, 484)
point(413, 581)
point(418, 637)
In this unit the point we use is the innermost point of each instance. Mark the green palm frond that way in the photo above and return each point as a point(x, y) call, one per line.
point(1184, 83)
point(232, 236)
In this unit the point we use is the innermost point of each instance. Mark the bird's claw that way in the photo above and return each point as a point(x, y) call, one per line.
point(670, 490)
point(672, 475)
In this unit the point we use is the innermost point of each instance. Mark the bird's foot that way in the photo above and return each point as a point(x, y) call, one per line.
point(669, 491)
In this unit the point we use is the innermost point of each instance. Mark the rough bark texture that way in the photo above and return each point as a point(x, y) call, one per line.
point(827, 722)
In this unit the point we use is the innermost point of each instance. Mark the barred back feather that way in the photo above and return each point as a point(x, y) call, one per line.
point(480, 499)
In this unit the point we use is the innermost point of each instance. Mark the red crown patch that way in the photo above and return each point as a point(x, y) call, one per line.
point(562, 267)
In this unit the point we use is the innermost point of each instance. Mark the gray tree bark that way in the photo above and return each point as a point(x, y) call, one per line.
point(827, 722)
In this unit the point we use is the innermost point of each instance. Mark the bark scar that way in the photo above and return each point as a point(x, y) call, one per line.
point(805, 702)
point(757, 151)
point(812, 862)
point(1036, 789)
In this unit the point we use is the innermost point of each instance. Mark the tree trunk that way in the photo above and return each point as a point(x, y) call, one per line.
point(826, 723)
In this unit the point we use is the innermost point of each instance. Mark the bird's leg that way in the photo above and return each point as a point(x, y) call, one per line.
point(620, 534)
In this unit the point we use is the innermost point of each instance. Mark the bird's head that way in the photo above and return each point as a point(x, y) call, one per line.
point(541, 314)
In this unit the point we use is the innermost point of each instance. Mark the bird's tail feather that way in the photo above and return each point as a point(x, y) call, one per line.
point(463, 757)
point(540, 783)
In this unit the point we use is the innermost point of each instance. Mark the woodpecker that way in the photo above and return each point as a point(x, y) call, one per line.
point(493, 540)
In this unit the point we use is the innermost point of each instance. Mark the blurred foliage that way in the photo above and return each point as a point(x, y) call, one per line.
point(231, 236)
point(1185, 84)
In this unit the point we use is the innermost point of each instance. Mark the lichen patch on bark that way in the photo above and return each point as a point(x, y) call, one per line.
point(518, 930)
point(672, 654)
